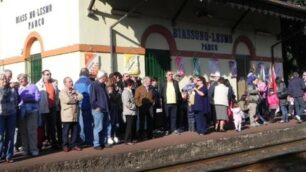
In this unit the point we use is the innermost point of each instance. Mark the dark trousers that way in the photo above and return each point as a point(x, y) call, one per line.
point(299, 105)
point(73, 128)
point(212, 117)
point(130, 128)
point(114, 120)
point(59, 128)
point(145, 117)
point(272, 115)
point(50, 125)
point(201, 122)
point(183, 121)
point(191, 121)
point(171, 117)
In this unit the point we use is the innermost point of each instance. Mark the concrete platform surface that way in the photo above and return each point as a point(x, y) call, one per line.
point(160, 152)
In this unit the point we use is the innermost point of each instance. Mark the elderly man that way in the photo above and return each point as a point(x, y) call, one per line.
point(144, 102)
point(48, 107)
point(253, 99)
point(69, 114)
point(170, 93)
point(29, 106)
point(100, 106)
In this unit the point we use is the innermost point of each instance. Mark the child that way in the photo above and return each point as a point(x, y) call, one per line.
point(238, 115)
point(244, 105)
point(273, 103)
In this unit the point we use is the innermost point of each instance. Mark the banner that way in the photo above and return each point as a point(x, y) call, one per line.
point(196, 66)
point(180, 66)
point(131, 64)
point(213, 66)
point(279, 70)
point(233, 68)
point(92, 63)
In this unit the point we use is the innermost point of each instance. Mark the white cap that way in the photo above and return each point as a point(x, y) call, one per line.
point(216, 74)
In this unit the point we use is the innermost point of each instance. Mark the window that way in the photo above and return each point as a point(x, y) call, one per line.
point(35, 68)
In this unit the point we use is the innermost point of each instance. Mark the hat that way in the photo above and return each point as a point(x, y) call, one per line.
point(216, 74)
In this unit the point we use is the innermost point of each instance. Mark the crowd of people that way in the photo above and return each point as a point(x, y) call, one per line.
point(116, 108)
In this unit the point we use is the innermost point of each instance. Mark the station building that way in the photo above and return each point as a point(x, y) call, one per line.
point(143, 37)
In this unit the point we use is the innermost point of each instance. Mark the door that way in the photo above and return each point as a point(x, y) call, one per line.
point(157, 63)
point(243, 67)
point(35, 68)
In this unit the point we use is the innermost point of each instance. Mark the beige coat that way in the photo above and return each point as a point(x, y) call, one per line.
point(69, 106)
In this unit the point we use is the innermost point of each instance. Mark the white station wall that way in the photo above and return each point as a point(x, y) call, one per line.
point(59, 27)
point(62, 66)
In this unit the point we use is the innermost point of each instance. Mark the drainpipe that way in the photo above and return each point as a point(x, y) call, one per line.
point(111, 42)
point(90, 6)
point(272, 52)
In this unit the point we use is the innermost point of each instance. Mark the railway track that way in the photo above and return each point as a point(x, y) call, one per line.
point(283, 157)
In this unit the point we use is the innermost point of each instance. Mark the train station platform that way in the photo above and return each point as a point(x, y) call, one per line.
point(161, 152)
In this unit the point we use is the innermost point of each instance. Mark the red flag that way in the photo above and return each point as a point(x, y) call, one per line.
point(272, 76)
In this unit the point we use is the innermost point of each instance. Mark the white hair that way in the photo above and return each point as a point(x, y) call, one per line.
point(101, 74)
point(145, 79)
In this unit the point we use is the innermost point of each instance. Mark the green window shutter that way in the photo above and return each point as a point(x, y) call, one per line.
point(157, 62)
point(35, 68)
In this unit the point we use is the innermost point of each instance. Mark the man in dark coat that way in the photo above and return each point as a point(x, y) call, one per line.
point(296, 90)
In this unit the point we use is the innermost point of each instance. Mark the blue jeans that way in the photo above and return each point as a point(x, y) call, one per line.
point(171, 117)
point(284, 110)
point(85, 126)
point(299, 105)
point(99, 123)
point(7, 128)
point(201, 122)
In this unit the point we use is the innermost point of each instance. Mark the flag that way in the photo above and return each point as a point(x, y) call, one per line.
point(196, 66)
point(272, 76)
point(262, 74)
point(180, 66)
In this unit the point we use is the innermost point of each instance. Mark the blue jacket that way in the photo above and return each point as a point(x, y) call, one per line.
point(98, 97)
point(82, 86)
point(296, 87)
